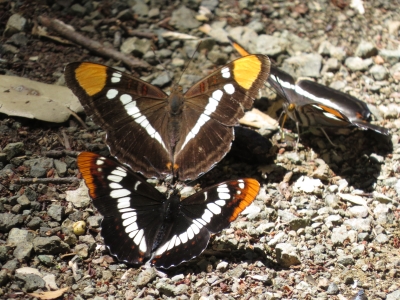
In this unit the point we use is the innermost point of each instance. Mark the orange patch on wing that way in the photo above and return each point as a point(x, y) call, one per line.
point(246, 70)
point(240, 49)
point(91, 77)
point(247, 196)
point(332, 111)
point(86, 162)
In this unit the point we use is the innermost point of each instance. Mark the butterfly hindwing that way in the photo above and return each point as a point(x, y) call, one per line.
point(128, 203)
point(208, 211)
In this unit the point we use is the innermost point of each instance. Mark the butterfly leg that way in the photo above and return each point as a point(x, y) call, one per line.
point(334, 145)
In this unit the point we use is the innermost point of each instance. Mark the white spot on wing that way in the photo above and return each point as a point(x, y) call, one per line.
point(125, 99)
point(111, 93)
point(131, 227)
point(119, 172)
point(99, 162)
point(225, 72)
point(115, 185)
point(183, 237)
point(140, 241)
point(220, 202)
point(207, 215)
point(224, 196)
point(114, 178)
point(190, 233)
point(195, 228)
point(129, 221)
point(116, 77)
point(241, 184)
point(214, 208)
point(229, 88)
point(223, 189)
point(128, 215)
point(119, 193)
point(171, 242)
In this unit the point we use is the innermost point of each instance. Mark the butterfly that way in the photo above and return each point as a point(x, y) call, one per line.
point(183, 135)
point(309, 103)
point(141, 225)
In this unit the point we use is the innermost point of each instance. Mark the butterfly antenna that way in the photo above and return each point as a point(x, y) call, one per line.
point(159, 62)
point(190, 60)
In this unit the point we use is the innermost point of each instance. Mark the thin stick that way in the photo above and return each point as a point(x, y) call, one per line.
point(65, 31)
point(47, 180)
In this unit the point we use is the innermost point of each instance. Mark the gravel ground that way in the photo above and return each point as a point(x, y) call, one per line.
point(325, 224)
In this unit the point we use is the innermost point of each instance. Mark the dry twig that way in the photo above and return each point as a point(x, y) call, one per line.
point(47, 180)
point(61, 153)
point(65, 31)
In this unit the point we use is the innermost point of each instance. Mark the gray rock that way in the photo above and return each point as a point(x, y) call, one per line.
point(34, 223)
point(11, 265)
point(358, 211)
point(17, 236)
point(217, 57)
point(146, 276)
point(393, 295)
point(4, 252)
point(78, 10)
point(140, 8)
point(31, 194)
point(287, 255)
point(381, 212)
point(346, 260)
point(15, 23)
point(333, 220)
point(237, 272)
point(382, 238)
point(306, 65)
point(3, 277)
point(14, 149)
point(135, 46)
point(165, 288)
point(391, 56)
point(332, 289)
point(107, 275)
point(379, 72)
point(49, 245)
point(57, 212)
point(82, 250)
point(18, 39)
point(222, 266)
point(180, 289)
point(296, 43)
point(366, 49)
point(24, 201)
point(154, 12)
point(359, 224)
point(210, 4)
point(358, 64)
point(47, 260)
point(162, 79)
point(43, 162)
point(270, 45)
point(381, 198)
point(286, 216)
point(94, 221)
point(184, 19)
point(23, 251)
point(61, 167)
point(8, 221)
point(298, 223)
point(339, 235)
point(257, 26)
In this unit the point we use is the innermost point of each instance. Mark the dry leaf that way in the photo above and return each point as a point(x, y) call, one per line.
point(35, 100)
point(50, 294)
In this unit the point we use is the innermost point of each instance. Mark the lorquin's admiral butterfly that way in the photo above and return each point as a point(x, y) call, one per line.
point(309, 103)
point(181, 134)
point(141, 225)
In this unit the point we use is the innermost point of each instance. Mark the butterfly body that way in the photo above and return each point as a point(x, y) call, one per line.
point(142, 225)
point(181, 134)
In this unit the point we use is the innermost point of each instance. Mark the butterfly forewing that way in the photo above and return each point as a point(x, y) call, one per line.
point(129, 110)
